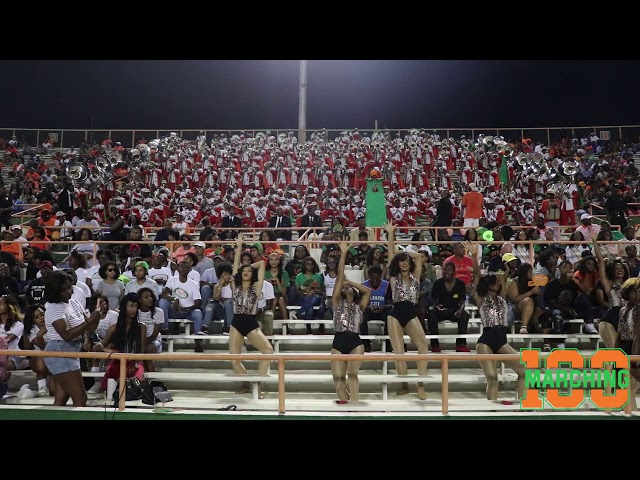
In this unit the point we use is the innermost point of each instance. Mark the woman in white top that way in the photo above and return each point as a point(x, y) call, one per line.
point(66, 324)
point(89, 249)
point(11, 328)
point(573, 252)
point(33, 338)
point(152, 317)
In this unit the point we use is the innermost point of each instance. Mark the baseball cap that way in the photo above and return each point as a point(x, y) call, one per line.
point(258, 246)
point(142, 263)
point(508, 257)
point(585, 216)
point(16, 227)
point(135, 246)
point(59, 214)
point(46, 263)
point(410, 249)
point(199, 244)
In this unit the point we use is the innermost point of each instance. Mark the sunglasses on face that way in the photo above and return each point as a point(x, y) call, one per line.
point(111, 269)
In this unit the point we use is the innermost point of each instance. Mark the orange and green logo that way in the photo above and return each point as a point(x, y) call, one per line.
point(564, 379)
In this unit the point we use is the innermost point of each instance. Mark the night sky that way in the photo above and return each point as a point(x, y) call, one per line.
point(342, 94)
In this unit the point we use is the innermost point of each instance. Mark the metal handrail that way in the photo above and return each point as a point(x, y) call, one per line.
point(281, 359)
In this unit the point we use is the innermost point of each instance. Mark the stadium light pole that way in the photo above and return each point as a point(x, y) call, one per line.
point(302, 103)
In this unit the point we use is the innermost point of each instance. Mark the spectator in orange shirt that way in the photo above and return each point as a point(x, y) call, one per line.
point(46, 220)
point(40, 239)
point(472, 203)
point(15, 248)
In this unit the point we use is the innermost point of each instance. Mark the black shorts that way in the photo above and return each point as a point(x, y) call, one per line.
point(245, 324)
point(345, 342)
point(494, 337)
point(612, 316)
point(625, 346)
point(404, 312)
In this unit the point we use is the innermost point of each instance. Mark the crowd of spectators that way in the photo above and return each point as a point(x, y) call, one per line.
point(192, 201)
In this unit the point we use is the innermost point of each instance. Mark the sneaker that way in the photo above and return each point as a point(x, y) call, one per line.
point(225, 331)
point(435, 349)
point(198, 347)
point(523, 330)
point(43, 392)
point(463, 348)
point(546, 347)
point(95, 389)
point(292, 315)
point(590, 328)
point(561, 346)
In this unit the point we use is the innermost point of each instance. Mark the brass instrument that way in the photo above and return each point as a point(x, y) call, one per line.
point(134, 154)
point(570, 167)
point(77, 172)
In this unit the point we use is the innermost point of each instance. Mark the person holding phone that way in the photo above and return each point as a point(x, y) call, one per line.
point(66, 324)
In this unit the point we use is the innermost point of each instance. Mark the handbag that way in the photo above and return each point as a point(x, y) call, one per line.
point(133, 390)
point(150, 390)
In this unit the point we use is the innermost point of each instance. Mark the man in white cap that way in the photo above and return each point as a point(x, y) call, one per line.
point(64, 233)
point(587, 229)
point(472, 203)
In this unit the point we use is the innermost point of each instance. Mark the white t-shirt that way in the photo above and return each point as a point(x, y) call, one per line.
point(81, 274)
point(94, 275)
point(193, 275)
point(162, 274)
point(78, 296)
point(33, 334)
point(187, 293)
point(150, 323)
point(105, 323)
point(266, 294)
point(85, 288)
point(226, 292)
point(16, 329)
point(72, 313)
point(329, 283)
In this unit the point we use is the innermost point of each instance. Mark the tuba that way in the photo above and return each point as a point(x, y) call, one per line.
point(77, 172)
point(570, 167)
point(103, 165)
point(115, 158)
point(144, 149)
point(134, 154)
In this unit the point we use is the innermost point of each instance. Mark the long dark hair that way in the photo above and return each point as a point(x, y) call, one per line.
point(14, 311)
point(280, 266)
point(29, 317)
point(153, 295)
point(485, 282)
point(238, 277)
point(53, 285)
point(523, 278)
point(131, 341)
point(370, 253)
point(394, 267)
